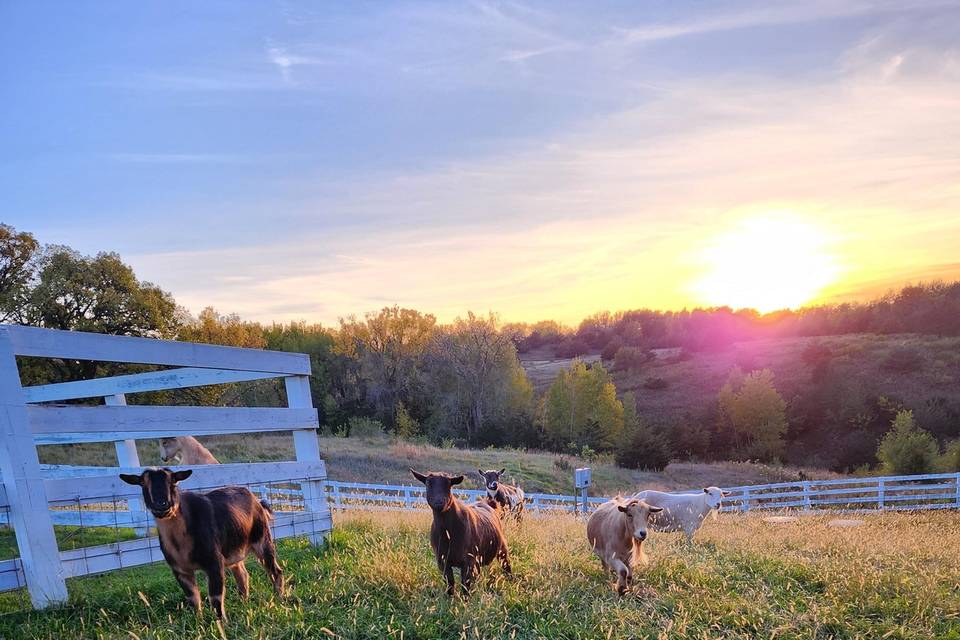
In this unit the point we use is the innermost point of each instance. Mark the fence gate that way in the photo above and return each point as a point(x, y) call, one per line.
point(33, 497)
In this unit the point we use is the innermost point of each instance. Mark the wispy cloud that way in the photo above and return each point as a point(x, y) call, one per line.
point(768, 15)
point(178, 158)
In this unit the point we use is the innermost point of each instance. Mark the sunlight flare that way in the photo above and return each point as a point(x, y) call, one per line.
point(768, 262)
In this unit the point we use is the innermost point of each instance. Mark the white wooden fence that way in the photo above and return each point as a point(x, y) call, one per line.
point(889, 493)
point(33, 498)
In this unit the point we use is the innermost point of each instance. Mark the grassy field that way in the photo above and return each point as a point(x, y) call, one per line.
point(386, 461)
point(895, 576)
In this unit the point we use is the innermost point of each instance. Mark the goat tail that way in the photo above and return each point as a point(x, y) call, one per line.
point(266, 507)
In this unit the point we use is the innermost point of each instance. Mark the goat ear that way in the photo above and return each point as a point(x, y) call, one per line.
point(481, 474)
point(182, 475)
point(502, 471)
point(656, 509)
point(705, 490)
point(622, 507)
point(419, 476)
point(726, 494)
point(131, 478)
point(456, 479)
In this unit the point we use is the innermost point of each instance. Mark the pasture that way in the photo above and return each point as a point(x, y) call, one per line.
point(895, 576)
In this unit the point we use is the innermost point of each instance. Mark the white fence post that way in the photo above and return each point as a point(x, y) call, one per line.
point(745, 500)
point(881, 494)
point(127, 456)
point(308, 449)
point(806, 495)
point(29, 512)
point(407, 498)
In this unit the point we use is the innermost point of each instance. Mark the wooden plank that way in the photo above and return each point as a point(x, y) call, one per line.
point(11, 575)
point(79, 345)
point(108, 487)
point(307, 447)
point(132, 553)
point(24, 485)
point(139, 383)
point(127, 456)
point(104, 424)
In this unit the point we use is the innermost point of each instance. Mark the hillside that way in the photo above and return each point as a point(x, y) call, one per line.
point(839, 398)
point(386, 461)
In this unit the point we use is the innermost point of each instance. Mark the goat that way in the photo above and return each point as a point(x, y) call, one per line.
point(187, 448)
point(208, 532)
point(465, 537)
point(509, 497)
point(616, 531)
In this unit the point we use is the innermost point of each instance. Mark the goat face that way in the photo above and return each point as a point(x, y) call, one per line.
point(439, 494)
point(159, 486)
point(491, 478)
point(715, 496)
point(169, 449)
point(638, 515)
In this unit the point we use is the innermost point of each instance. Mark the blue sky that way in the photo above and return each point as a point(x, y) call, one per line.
point(290, 160)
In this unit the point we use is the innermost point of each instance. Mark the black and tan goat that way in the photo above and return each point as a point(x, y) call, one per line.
point(209, 532)
point(464, 537)
point(509, 497)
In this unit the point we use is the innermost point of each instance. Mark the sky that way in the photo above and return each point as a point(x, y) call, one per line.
point(307, 161)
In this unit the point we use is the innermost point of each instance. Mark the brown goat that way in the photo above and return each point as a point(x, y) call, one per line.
point(208, 532)
point(464, 537)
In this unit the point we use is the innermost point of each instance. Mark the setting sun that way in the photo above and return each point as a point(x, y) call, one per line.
point(767, 263)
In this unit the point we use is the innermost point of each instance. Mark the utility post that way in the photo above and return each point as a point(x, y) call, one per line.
point(581, 480)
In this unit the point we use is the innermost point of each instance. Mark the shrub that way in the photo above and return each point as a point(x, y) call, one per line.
point(631, 358)
point(949, 462)
point(562, 463)
point(754, 413)
point(407, 426)
point(907, 449)
point(571, 348)
point(364, 427)
point(609, 352)
point(644, 448)
point(690, 440)
point(654, 384)
point(903, 360)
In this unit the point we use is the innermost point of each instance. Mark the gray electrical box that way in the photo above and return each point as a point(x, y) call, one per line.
point(581, 478)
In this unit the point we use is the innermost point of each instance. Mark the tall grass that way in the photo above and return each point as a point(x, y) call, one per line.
point(895, 576)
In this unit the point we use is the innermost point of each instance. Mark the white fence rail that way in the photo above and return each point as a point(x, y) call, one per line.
point(35, 498)
point(934, 491)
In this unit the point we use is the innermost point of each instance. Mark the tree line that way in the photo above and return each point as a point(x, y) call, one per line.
point(925, 308)
point(400, 371)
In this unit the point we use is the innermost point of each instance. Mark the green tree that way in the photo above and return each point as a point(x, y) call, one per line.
point(755, 414)
point(17, 269)
point(211, 327)
point(389, 349)
point(641, 447)
point(478, 380)
point(581, 407)
point(906, 448)
point(99, 294)
point(334, 394)
point(406, 427)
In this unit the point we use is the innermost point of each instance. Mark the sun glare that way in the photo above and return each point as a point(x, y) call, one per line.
point(767, 263)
